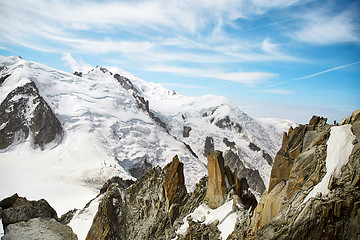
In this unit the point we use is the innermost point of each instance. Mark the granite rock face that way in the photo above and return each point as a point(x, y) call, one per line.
point(155, 205)
point(25, 113)
point(216, 191)
point(252, 176)
point(174, 182)
point(283, 211)
point(151, 208)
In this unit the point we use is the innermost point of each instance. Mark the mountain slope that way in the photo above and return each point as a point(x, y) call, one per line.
point(214, 122)
point(107, 123)
point(105, 132)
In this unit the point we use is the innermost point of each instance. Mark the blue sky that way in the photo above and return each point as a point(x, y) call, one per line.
point(282, 58)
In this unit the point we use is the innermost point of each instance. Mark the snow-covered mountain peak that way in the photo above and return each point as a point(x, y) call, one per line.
point(115, 123)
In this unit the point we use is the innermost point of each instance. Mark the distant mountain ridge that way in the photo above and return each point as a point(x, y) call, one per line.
point(107, 123)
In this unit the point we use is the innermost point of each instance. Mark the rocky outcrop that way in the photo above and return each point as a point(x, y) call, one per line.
point(155, 205)
point(198, 230)
point(209, 146)
point(252, 176)
point(141, 102)
point(294, 142)
point(39, 229)
point(24, 219)
point(79, 74)
point(229, 144)
point(174, 182)
point(151, 208)
point(286, 211)
point(138, 169)
point(108, 222)
point(216, 191)
point(186, 131)
point(23, 210)
point(25, 113)
point(227, 123)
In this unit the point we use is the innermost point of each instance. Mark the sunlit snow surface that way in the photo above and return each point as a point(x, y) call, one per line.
point(201, 113)
point(224, 214)
point(106, 134)
point(339, 148)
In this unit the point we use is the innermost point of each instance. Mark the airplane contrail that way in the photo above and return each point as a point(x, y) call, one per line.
point(328, 70)
point(316, 74)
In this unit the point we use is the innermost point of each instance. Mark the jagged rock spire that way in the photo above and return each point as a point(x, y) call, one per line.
point(174, 181)
point(216, 191)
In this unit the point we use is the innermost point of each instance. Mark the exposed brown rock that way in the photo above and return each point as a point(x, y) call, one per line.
point(174, 182)
point(216, 191)
point(314, 120)
point(108, 222)
point(281, 212)
point(284, 159)
point(229, 175)
point(140, 212)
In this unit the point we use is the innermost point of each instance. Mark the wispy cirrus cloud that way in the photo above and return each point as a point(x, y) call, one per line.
point(74, 64)
point(326, 28)
point(239, 77)
point(55, 25)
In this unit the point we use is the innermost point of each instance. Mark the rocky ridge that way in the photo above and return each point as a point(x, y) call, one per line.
point(287, 210)
point(154, 206)
point(157, 205)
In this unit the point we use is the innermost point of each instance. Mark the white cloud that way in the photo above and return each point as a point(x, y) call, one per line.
point(265, 5)
point(159, 30)
point(269, 47)
point(240, 77)
point(75, 65)
point(327, 29)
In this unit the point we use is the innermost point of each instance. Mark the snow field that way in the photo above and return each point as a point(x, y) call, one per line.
point(339, 148)
point(106, 134)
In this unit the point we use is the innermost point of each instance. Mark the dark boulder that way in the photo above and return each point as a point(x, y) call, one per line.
point(23, 210)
